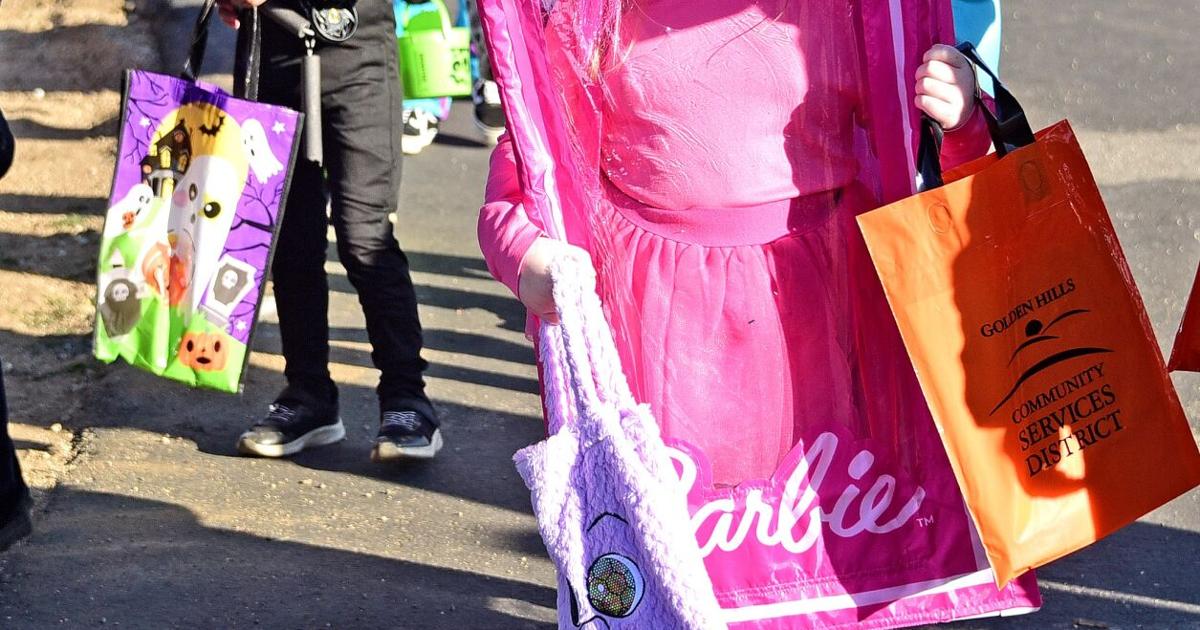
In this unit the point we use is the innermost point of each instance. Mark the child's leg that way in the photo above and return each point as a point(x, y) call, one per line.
point(298, 270)
point(489, 116)
point(361, 157)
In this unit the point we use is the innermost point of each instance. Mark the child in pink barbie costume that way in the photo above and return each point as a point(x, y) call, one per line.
point(708, 159)
point(729, 160)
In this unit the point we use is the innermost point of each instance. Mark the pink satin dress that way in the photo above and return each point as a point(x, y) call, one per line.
point(742, 300)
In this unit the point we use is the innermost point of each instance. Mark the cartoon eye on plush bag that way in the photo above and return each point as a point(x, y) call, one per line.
point(614, 586)
point(200, 182)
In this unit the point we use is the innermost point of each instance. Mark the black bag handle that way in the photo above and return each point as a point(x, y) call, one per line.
point(1007, 126)
point(247, 61)
point(248, 56)
point(929, 162)
point(191, 67)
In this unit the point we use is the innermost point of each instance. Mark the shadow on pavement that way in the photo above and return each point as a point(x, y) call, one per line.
point(53, 205)
point(267, 339)
point(459, 373)
point(448, 264)
point(112, 560)
point(478, 345)
point(99, 54)
point(76, 570)
point(452, 140)
point(29, 130)
point(22, 445)
point(476, 463)
point(443, 340)
point(506, 308)
point(65, 255)
point(1143, 576)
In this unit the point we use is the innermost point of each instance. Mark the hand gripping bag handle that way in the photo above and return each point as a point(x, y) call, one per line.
point(246, 61)
point(1008, 126)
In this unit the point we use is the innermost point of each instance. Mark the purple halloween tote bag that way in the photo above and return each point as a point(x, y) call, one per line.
point(197, 195)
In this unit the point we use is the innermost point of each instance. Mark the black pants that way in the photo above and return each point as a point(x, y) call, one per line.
point(361, 110)
point(12, 486)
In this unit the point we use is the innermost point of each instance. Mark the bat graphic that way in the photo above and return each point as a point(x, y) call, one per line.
point(212, 130)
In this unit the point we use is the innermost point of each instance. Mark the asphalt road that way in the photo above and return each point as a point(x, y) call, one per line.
point(159, 525)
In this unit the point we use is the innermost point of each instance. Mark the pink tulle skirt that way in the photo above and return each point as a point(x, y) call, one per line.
point(742, 327)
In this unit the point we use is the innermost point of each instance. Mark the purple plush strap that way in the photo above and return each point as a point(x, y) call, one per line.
point(581, 364)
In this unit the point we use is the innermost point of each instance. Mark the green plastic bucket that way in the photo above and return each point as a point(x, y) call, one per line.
point(435, 58)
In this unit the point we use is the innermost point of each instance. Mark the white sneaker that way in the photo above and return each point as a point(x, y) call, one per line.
point(406, 434)
point(489, 115)
point(420, 128)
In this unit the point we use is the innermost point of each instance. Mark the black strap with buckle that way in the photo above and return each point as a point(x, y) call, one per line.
point(333, 20)
point(297, 23)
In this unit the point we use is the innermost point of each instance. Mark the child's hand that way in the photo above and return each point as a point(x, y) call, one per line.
point(228, 9)
point(946, 86)
point(535, 288)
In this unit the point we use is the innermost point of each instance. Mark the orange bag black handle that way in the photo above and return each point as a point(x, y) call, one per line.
point(929, 164)
point(1007, 125)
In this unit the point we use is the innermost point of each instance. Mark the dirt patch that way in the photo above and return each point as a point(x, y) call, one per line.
point(70, 45)
point(60, 78)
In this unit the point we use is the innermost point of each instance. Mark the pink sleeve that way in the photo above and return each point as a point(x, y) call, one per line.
point(505, 230)
point(969, 140)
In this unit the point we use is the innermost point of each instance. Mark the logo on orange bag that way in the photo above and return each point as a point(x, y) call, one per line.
point(1071, 413)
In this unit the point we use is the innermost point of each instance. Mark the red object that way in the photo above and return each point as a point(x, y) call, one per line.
point(1186, 355)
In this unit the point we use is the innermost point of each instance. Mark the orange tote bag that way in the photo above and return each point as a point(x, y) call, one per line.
point(1032, 345)
point(1186, 355)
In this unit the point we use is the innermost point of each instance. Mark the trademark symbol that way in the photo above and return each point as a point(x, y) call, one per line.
point(924, 521)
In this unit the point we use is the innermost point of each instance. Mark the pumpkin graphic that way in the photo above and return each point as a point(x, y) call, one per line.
point(204, 352)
